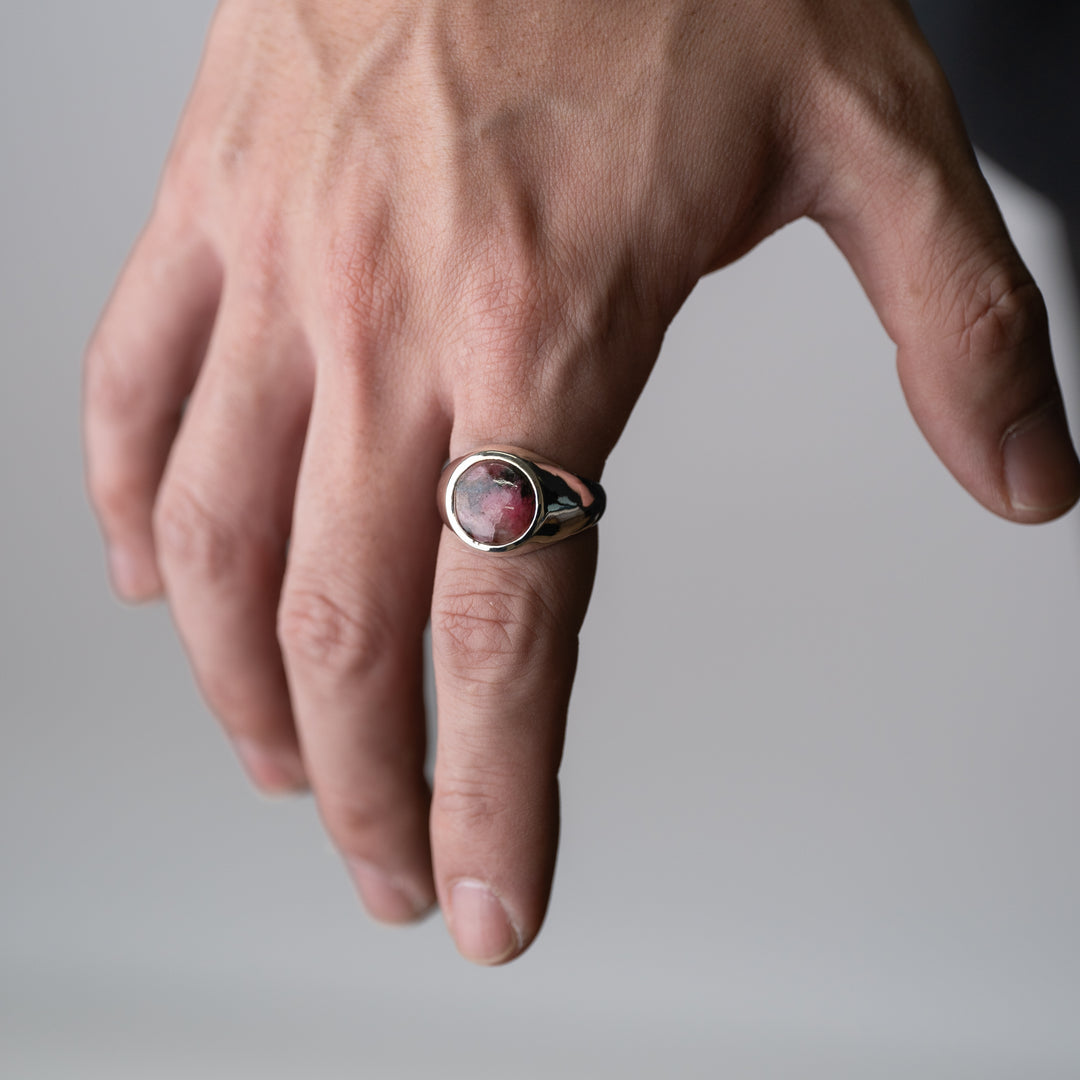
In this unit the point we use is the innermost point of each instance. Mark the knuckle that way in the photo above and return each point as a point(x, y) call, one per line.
point(890, 120)
point(315, 629)
point(117, 497)
point(365, 287)
point(264, 257)
point(1004, 311)
point(896, 100)
point(477, 799)
point(193, 539)
point(513, 314)
point(111, 389)
point(898, 92)
point(508, 310)
point(232, 702)
point(354, 824)
point(478, 632)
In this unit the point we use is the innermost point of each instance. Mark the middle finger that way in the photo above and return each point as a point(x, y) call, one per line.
point(356, 600)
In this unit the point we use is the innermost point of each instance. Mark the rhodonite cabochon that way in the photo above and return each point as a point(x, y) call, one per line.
point(494, 503)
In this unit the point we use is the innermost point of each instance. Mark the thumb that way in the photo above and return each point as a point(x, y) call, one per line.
point(905, 201)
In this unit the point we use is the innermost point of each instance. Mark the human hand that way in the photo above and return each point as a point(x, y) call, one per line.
point(389, 233)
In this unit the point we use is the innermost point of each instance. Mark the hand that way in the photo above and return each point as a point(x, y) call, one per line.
point(389, 233)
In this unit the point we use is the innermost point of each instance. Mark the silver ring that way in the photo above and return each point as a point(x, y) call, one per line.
point(503, 500)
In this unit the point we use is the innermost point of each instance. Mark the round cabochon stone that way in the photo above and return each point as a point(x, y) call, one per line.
point(494, 502)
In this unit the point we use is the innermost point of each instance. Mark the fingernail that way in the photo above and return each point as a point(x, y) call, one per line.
point(480, 924)
point(133, 578)
point(273, 772)
point(387, 898)
point(1042, 473)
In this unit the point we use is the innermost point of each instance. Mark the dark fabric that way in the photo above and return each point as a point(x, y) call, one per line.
point(1015, 69)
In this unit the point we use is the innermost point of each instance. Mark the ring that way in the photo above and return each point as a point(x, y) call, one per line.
point(503, 500)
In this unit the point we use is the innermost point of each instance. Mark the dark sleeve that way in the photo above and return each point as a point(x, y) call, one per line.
point(1015, 68)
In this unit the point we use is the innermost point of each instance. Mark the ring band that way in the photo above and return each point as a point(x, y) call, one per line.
point(503, 500)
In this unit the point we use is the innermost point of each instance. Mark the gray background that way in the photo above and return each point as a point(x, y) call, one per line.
point(820, 786)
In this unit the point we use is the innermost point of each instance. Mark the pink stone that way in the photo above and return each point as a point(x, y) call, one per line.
point(494, 503)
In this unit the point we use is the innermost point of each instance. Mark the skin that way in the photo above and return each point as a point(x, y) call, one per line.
point(389, 233)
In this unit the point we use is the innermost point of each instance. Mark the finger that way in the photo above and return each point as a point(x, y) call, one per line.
point(222, 524)
point(907, 204)
point(352, 618)
point(505, 639)
point(140, 366)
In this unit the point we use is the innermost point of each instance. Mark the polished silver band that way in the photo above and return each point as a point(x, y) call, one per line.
point(502, 500)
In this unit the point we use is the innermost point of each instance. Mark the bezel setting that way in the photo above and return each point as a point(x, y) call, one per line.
point(518, 464)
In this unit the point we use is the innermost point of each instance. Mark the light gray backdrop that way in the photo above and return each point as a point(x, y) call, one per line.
point(821, 800)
